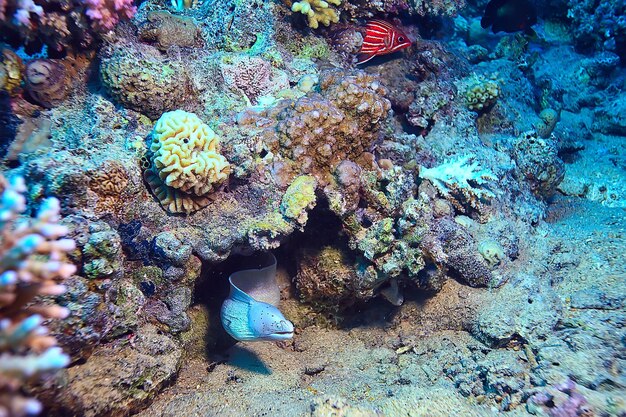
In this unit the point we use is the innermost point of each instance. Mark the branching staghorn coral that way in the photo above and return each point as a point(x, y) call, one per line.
point(31, 265)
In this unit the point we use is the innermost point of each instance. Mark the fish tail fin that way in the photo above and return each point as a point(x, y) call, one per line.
point(531, 33)
point(363, 58)
point(486, 21)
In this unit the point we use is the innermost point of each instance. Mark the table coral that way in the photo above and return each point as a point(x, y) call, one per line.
point(31, 265)
point(317, 11)
point(185, 158)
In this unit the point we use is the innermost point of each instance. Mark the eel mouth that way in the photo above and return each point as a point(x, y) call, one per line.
point(282, 335)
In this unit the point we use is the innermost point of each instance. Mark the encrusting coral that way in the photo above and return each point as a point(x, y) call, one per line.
point(185, 162)
point(31, 265)
point(317, 11)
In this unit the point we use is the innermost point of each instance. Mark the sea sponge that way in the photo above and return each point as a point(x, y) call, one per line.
point(317, 11)
point(546, 123)
point(46, 81)
point(491, 251)
point(185, 159)
point(166, 30)
point(142, 80)
point(326, 277)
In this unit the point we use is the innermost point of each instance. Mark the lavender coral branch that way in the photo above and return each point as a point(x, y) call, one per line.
point(31, 265)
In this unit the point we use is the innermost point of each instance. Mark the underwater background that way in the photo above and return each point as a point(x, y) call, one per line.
point(312, 208)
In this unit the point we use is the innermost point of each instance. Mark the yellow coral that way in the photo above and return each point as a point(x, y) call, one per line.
point(185, 157)
point(299, 197)
point(11, 69)
point(482, 93)
point(317, 11)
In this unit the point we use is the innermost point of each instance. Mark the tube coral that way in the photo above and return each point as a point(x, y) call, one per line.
point(31, 265)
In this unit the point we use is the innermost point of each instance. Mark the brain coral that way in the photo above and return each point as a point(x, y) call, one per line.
point(185, 162)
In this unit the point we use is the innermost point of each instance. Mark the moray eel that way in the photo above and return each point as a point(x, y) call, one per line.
point(250, 313)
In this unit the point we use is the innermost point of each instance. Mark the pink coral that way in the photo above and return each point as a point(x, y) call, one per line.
point(105, 14)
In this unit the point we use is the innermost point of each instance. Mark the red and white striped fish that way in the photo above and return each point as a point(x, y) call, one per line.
point(381, 38)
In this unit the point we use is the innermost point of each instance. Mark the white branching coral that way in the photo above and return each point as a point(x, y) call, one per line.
point(460, 180)
point(32, 264)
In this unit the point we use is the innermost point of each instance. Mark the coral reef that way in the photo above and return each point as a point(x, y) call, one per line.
point(186, 164)
point(423, 254)
point(598, 25)
point(437, 7)
point(32, 265)
point(63, 26)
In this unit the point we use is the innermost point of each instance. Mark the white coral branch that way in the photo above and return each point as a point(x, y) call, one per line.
point(459, 174)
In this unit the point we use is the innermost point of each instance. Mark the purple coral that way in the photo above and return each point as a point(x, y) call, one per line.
point(573, 404)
